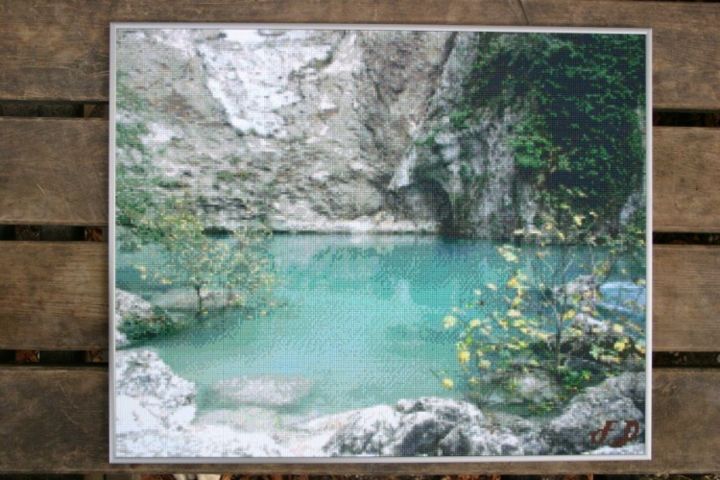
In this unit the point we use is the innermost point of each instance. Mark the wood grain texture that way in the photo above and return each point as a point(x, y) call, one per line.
point(54, 171)
point(54, 296)
point(686, 301)
point(686, 176)
point(56, 419)
point(59, 49)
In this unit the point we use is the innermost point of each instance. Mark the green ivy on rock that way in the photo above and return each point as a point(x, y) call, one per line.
point(583, 97)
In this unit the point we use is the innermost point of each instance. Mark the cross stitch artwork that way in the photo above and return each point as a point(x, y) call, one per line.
point(379, 243)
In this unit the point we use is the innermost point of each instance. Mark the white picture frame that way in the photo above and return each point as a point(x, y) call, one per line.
point(114, 458)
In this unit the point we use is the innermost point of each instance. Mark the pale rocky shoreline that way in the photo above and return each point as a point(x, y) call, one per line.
point(158, 410)
point(156, 416)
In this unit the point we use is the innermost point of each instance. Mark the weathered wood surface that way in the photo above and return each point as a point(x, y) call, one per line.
point(54, 296)
point(59, 49)
point(685, 289)
point(55, 420)
point(54, 171)
point(686, 170)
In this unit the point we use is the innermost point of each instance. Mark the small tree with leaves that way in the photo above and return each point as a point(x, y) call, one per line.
point(240, 270)
point(550, 322)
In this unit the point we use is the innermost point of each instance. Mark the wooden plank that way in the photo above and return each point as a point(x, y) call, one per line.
point(685, 289)
point(62, 413)
point(54, 296)
point(686, 176)
point(54, 171)
point(59, 49)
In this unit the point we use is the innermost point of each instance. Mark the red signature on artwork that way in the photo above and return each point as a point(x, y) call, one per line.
point(630, 432)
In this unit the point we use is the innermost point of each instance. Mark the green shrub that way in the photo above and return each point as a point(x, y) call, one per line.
point(242, 269)
point(583, 101)
point(539, 331)
point(138, 328)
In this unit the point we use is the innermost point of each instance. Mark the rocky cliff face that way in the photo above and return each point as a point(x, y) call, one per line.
point(470, 170)
point(304, 128)
point(319, 131)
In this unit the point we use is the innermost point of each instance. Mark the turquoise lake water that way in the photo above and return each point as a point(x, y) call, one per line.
point(360, 316)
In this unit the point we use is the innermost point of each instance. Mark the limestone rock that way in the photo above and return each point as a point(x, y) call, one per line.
point(425, 427)
point(619, 400)
point(536, 388)
point(321, 130)
point(155, 411)
point(590, 325)
point(369, 431)
point(149, 396)
point(264, 121)
point(201, 441)
point(584, 287)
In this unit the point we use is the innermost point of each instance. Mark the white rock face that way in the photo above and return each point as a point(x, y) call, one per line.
point(149, 395)
point(536, 388)
point(428, 426)
point(366, 432)
point(155, 412)
point(249, 72)
point(298, 128)
point(121, 339)
point(128, 303)
point(303, 128)
point(201, 441)
point(618, 399)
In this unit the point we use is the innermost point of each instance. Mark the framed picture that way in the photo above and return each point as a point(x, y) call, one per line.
point(379, 243)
